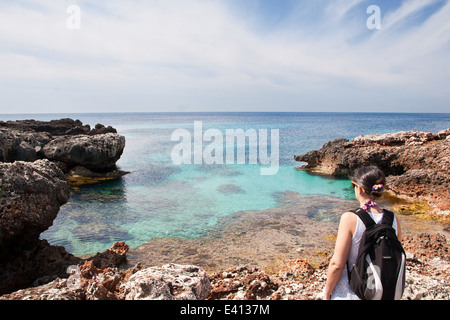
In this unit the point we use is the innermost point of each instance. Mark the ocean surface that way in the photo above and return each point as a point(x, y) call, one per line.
point(159, 199)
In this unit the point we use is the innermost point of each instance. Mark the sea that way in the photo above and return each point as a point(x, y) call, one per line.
point(160, 198)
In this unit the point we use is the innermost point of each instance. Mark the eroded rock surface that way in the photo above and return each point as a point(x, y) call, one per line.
point(417, 163)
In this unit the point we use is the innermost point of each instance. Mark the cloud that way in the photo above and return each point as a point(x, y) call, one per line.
point(216, 56)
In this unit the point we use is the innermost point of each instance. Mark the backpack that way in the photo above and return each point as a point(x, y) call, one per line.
point(379, 270)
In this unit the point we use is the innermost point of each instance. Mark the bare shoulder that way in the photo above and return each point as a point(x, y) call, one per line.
point(348, 217)
point(348, 222)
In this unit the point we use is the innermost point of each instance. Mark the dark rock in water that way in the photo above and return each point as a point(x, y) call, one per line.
point(93, 152)
point(230, 188)
point(82, 176)
point(415, 162)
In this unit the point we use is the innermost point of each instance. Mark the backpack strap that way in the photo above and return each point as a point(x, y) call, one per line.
point(388, 217)
point(364, 216)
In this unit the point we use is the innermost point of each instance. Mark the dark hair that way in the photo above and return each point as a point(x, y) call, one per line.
point(367, 178)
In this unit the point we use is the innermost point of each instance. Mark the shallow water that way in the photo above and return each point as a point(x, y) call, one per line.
point(298, 226)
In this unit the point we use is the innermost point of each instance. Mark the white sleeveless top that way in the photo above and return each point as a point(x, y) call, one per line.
point(342, 291)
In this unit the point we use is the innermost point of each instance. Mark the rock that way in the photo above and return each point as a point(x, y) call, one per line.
point(53, 127)
point(81, 176)
point(396, 139)
point(16, 145)
point(113, 257)
point(242, 283)
point(93, 152)
point(428, 268)
point(32, 193)
point(101, 129)
point(416, 163)
point(427, 278)
point(169, 282)
point(66, 142)
point(426, 246)
point(87, 282)
point(55, 290)
point(421, 287)
point(96, 278)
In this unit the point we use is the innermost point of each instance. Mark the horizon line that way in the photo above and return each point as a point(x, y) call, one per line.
point(186, 112)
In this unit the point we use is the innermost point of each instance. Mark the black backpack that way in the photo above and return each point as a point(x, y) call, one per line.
point(379, 270)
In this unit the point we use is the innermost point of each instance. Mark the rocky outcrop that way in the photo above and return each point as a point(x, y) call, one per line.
point(22, 145)
point(88, 282)
point(81, 152)
point(59, 127)
point(415, 162)
point(93, 279)
point(31, 195)
point(97, 152)
point(33, 186)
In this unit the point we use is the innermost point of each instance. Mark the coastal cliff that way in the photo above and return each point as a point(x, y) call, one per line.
point(31, 195)
point(416, 163)
point(37, 159)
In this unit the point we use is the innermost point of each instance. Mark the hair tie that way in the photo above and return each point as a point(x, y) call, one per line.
point(369, 204)
point(378, 187)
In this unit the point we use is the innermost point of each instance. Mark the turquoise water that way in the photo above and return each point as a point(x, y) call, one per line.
point(159, 199)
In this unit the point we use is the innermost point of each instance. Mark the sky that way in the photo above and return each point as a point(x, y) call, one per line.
point(224, 55)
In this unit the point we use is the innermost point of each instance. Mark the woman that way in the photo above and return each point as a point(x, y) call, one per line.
point(368, 184)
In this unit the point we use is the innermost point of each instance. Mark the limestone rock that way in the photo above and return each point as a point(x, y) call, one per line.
point(169, 282)
point(54, 127)
point(415, 162)
point(66, 142)
point(18, 145)
point(31, 195)
point(94, 152)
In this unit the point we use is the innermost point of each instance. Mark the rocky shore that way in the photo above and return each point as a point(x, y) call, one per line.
point(36, 163)
point(37, 159)
point(416, 164)
point(99, 278)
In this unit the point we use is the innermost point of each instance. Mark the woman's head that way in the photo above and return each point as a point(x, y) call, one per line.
point(371, 179)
